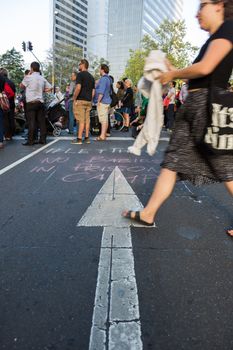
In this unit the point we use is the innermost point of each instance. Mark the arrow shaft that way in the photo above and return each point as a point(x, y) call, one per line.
point(116, 319)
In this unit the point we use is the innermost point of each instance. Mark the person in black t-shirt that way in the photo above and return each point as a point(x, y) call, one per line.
point(127, 103)
point(184, 158)
point(83, 95)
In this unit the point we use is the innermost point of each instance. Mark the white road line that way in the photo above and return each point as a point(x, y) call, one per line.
point(11, 166)
point(111, 138)
point(116, 319)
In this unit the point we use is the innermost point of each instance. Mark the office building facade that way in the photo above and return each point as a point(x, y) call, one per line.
point(69, 21)
point(130, 20)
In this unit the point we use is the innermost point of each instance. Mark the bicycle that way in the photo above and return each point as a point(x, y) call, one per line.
point(116, 119)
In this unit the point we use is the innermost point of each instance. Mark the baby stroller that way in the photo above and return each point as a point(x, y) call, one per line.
point(20, 121)
point(55, 116)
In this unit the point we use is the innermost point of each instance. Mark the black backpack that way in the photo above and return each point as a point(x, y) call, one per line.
point(113, 95)
point(114, 98)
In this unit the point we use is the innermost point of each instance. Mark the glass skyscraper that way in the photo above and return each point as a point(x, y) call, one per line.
point(97, 29)
point(130, 20)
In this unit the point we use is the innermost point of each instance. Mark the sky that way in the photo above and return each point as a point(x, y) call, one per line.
point(30, 19)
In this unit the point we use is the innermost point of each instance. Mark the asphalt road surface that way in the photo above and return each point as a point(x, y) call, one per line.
point(75, 275)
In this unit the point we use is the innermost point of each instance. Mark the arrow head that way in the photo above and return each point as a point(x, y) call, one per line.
point(115, 196)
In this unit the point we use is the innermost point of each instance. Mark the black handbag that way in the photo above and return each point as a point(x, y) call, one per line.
point(219, 134)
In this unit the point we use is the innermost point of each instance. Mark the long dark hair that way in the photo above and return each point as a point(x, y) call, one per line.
point(228, 8)
point(2, 83)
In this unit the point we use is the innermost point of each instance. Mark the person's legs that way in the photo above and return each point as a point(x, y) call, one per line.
point(126, 118)
point(170, 116)
point(229, 187)
point(12, 122)
point(87, 119)
point(1, 128)
point(71, 118)
point(79, 113)
point(41, 122)
point(162, 190)
point(31, 115)
point(102, 110)
point(104, 128)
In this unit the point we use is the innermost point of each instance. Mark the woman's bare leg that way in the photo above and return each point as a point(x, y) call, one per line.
point(126, 119)
point(162, 190)
point(229, 187)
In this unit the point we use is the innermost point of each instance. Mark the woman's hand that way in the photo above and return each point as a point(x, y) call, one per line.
point(166, 77)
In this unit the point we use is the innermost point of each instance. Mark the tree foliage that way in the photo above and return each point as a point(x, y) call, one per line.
point(169, 38)
point(13, 61)
point(135, 65)
point(95, 63)
point(65, 59)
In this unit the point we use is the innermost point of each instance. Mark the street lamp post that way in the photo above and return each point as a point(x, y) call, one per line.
point(55, 13)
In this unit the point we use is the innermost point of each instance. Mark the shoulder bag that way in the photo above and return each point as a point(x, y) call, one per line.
point(219, 133)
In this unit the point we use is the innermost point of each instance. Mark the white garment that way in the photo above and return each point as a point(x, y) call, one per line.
point(35, 85)
point(172, 96)
point(151, 88)
point(59, 96)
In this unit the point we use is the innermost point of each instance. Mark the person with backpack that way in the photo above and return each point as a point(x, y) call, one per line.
point(103, 99)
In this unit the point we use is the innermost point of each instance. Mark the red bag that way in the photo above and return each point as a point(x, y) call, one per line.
point(8, 90)
point(166, 102)
point(4, 102)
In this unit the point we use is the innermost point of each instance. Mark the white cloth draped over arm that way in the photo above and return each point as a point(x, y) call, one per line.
point(151, 88)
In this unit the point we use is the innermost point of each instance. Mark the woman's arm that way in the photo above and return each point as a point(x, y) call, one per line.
point(216, 52)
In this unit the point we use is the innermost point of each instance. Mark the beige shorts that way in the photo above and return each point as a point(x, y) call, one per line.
point(82, 110)
point(102, 110)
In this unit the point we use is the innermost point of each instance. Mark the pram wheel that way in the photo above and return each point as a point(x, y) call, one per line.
point(56, 131)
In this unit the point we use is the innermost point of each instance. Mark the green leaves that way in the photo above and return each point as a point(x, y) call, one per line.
point(65, 59)
point(13, 61)
point(169, 39)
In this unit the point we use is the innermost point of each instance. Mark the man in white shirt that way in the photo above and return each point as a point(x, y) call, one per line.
point(35, 86)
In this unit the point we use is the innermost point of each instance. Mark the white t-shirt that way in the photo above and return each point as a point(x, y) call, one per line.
point(172, 95)
point(35, 85)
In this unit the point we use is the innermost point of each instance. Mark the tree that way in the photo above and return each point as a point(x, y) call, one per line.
point(13, 61)
point(65, 58)
point(95, 64)
point(135, 65)
point(169, 39)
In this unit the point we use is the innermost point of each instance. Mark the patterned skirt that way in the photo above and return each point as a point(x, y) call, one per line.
point(184, 153)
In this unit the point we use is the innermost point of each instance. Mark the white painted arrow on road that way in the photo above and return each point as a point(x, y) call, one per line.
point(116, 320)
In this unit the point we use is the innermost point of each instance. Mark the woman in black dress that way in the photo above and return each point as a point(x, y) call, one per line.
point(184, 159)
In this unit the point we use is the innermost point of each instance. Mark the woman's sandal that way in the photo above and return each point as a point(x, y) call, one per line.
point(229, 232)
point(137, 218)
point(100, 139)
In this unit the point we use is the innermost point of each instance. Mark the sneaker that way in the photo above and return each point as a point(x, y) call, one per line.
point(77, 141)
point(125, 129)
point(87, 140)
